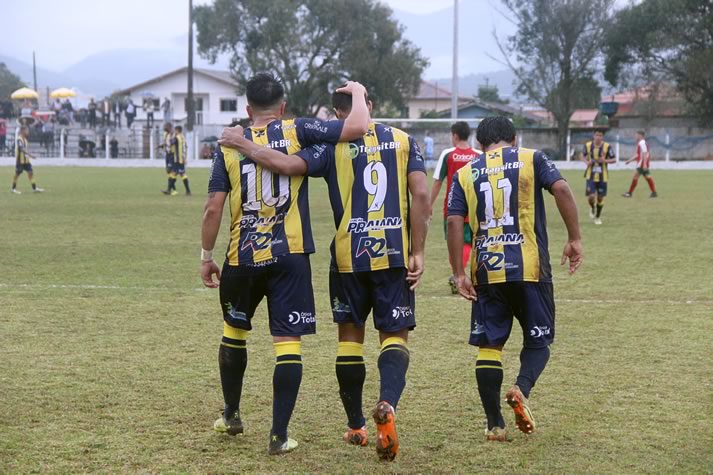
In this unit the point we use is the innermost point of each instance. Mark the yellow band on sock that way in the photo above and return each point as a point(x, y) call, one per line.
point(234, 333)
point(490, 354)
point(350, 348)
point(394, 340)
point(288, 348)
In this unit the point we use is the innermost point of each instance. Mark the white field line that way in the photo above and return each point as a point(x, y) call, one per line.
point(432, 297)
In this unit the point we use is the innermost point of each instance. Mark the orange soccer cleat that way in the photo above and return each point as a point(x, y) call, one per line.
point(356, 437)
point(520, 405)
point(387, 442)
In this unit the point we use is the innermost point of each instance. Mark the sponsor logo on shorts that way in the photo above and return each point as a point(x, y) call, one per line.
point(371, 246)
point(263, 263)
point(257, 241)
point(234, 313)
point(340, 307)
point(401, 312)
point(478, 329)
point(251, 221)
point(509, 239)
point(301, 317)
point(539, 331)
point(360, 225)
point(491, 261)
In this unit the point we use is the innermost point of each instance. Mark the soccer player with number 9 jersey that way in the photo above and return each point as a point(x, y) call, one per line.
point(501, 193)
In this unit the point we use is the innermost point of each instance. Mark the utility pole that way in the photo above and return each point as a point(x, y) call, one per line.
point(454, 85)
point(190, 107)
point(34, 71)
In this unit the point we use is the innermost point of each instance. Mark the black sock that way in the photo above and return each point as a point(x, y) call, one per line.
point(599, 210)
point(393, 364)
point(591, 205)
point(168, 185)
point(285, 385)
point(489, 375)
point(232, 361)
point(532, 363)
point(172, 185)
point(34, 185)
point(185, 183)
point(14, 185)
point(351, 373)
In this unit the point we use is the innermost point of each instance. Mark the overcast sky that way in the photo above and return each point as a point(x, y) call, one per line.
point(63, 32)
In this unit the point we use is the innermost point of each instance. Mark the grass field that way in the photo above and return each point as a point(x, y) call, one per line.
point(108, 343)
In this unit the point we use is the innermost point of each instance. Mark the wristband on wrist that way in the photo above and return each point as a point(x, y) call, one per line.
point(206, 255)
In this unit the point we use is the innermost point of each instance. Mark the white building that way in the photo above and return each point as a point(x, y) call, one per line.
point(216, 101)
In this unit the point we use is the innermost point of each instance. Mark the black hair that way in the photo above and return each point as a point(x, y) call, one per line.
point(492, 130)
point(641, 132)
point(342, 101)
point(178, 128)
point(599, 131)
point(461, 129)
point(264, 90)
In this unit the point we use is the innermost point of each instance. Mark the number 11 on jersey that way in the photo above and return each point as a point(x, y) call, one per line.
point(492, 221)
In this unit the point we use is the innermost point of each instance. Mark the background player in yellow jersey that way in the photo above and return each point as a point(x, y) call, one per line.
point(167, 147)
point(268, 253)
point(380, 201)
point(501, 193)
point(180, 150)
point(22, 161)
point(598, 155)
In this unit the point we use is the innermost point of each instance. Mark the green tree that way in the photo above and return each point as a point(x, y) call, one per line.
point(314, 46)
point(490, 94)
point(9, 82)
point(662, 40)
point(555, 53)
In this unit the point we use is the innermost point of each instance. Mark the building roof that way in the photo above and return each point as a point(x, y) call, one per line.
point(666, 102)
point(496, 108)
point(428, 90)
point(219, 75)
point(584, 115)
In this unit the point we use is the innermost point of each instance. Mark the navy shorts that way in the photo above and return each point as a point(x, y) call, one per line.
point(286, 281)
point(179, 168)
point(169, 162)
point(596, 187)
point(531, 303)
point(355, 294)
point(23, 167)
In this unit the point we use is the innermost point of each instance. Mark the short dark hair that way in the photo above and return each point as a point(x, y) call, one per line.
point(598, 131)
point(492, 130)
point(342, 101)
point(264, 90)
point(641, 132)
point(461, 129)
point(178, 128)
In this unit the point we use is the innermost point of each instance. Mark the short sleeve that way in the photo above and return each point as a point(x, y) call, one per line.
point(219, 180)
point(585, 153)
point(20, 144)
point(319, 158)
point(545, 170)
point(457, 203)
point(415, 158)
point(610, 153)
point(441, 170)
point(314, 131)
point(643, 147)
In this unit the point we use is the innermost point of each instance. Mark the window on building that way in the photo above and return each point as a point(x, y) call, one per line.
point(228, 105)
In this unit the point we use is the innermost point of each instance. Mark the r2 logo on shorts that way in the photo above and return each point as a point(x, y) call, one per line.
point(257, 241)
point(492, 261)
point(371, 246)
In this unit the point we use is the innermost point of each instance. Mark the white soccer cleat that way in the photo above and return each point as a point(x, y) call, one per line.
point(591, 214)
point(15, 192)
point(38, 190)
point(598, 221)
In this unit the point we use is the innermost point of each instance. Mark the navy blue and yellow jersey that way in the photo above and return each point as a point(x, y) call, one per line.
point(598, 170)
point(368, 191)
point(21, 157)
point(179, 148)
point(269, 212)
point(168, 142)
point(501, 193)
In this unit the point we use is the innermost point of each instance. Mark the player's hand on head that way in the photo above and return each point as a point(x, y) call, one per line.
point(465, 288)
point(208, 270)
point(230, 135)
point(574, 253)
point(352, 87)
point(415, 270)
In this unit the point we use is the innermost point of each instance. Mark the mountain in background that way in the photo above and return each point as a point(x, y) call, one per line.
point(468, 85)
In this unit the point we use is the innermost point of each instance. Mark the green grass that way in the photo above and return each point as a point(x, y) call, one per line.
point(124, 378)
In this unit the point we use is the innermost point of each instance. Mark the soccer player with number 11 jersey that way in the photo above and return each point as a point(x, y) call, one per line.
point(501, 193)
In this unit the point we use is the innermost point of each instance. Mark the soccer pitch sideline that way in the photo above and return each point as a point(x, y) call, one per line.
point(108, 343)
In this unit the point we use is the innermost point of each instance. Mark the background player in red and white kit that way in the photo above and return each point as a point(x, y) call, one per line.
point(451, 160)
point(643, 160)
